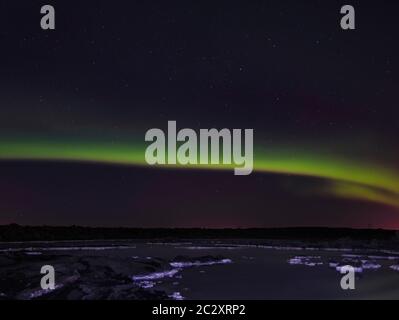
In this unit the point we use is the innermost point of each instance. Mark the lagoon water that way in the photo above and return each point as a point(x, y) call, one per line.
point(202, 269)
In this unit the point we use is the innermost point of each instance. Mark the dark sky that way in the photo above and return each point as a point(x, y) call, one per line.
point(323, 103)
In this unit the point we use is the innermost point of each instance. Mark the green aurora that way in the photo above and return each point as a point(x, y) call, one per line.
point(347, 179)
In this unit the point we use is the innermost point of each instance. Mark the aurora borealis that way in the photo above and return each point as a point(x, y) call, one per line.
point(348, 179)
point(322, 102)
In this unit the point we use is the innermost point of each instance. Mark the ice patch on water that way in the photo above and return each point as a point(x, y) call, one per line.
point(366, 264)
point(367, 261)
point(310, 261)
point(156, 275)
point(295, 261)
point(199, 263)
point(356, 269)
point(176, 296)
point(147, 281)
point(42, 292)
point(358, 264)
point(352, 256)
point(33, 249)
point(383, 257)
point(34, 294)
point(390, 252)
point(146, 284)
point(292, 248)
point(395, 267)
point(372, 257)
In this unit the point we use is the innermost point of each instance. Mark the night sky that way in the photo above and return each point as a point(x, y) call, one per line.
point(75, 104)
